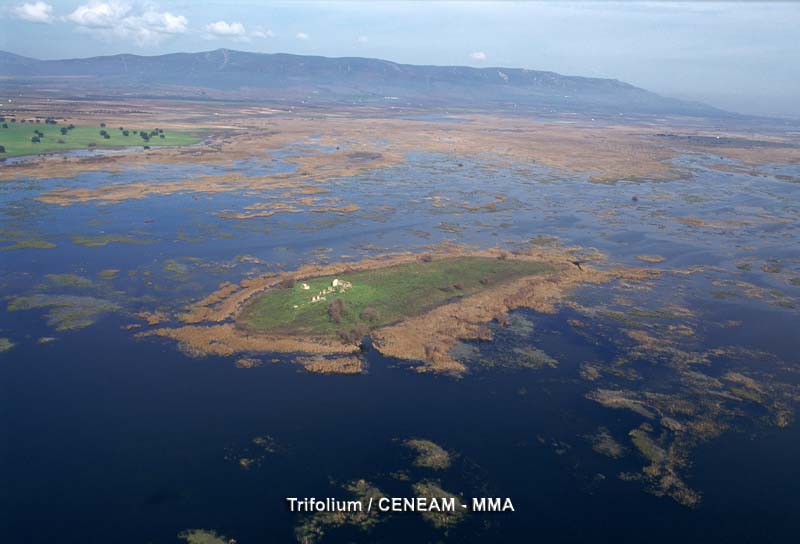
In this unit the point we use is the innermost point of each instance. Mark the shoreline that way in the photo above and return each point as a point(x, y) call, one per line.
point(212, 327)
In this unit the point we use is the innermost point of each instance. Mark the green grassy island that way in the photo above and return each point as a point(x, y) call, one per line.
point(359, 301)
point(17, 138)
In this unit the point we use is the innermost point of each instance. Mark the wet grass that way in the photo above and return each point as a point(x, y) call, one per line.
point(65, 312)
point(380, 296)
point(103, 240)
point(17, 138)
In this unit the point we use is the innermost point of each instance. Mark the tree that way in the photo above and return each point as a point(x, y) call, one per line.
point(64, 131)
point(35, 139)
point(5, 125)
point(125, 133)
point(2, 149)
point(336, 309)
point(102, 125)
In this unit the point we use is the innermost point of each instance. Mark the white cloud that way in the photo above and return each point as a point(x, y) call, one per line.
point(99, 14)
point(301, 36)
point(478, 55)
point(147, 26)
point(225, 29)
point(362, 39)
point(35, 12)
point(261, 32)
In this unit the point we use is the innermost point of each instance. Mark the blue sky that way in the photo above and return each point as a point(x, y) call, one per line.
point(741, 56)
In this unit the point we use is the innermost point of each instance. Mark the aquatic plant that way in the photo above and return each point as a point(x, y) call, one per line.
point(605, 444)
point(108, 273)
point(29, 244)
point(445, 519)
point(313, 528)
point(203, 536)
point(429, 454)
point(5, 344)
point(65, 312)
point(103, 240)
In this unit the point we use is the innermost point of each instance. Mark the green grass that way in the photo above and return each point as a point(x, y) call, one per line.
point(17, 138)
point(390, 293)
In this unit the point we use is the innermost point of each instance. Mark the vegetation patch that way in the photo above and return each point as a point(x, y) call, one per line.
point(650, 258)
point(5, 344)
point(105, 239)
point(108, 274)
point(605, 444)
point(429, 454)
point(313, 528)
point(350, 304)
point(29, 244)
point(65, 312)
point(203, 536)
point(332, 365)
point(31, 139)
point(68, 281)
point(440, 519)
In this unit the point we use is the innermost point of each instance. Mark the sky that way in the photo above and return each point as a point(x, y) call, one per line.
point(740, 56)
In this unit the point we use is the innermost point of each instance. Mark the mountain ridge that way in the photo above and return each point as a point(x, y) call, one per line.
point(285, 76)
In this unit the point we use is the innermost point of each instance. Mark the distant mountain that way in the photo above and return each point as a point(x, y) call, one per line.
point(317, 80)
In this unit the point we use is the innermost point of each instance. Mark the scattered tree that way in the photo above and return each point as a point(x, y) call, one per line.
point(336, 310)
point(369, 314)
point(288, 283)
point(64, 131)
point(2, 149)
point(36, 139)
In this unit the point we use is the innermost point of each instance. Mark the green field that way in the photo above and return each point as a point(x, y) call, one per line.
point(380, 296)
point(17, 138)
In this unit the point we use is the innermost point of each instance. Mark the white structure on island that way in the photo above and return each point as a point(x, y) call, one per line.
point(336, 286)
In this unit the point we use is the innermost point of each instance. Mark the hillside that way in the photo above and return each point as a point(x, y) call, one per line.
point(227, 74)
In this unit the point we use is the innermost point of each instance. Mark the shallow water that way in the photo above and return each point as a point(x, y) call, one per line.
point(114, 439)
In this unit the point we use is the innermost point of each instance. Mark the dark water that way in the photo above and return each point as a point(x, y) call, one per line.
point(128, 445)
point(108, 438)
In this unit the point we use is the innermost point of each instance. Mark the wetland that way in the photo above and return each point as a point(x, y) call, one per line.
point(593, 317)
